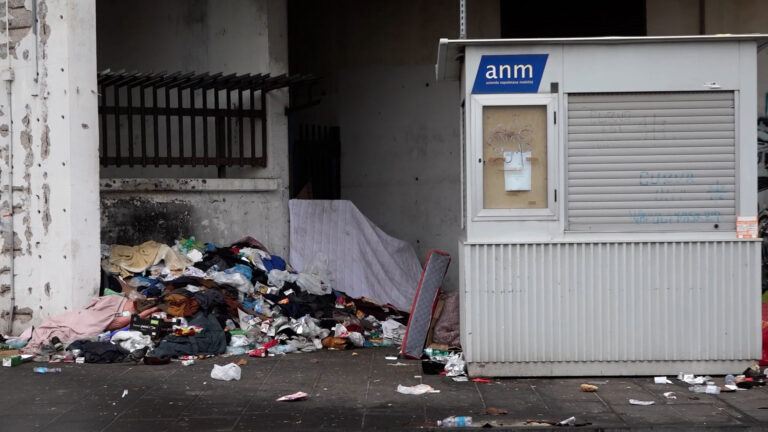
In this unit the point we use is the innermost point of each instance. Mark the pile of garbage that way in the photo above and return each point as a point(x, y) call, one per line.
point(193, 300)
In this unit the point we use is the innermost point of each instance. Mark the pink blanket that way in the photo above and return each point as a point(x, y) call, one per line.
point(78, 324)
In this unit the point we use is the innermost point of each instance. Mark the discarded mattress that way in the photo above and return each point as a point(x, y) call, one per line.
point(424, 303)
point(362, 260)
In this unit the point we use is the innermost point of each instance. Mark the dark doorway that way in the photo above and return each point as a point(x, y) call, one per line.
point(315, 158)
point(587, 18)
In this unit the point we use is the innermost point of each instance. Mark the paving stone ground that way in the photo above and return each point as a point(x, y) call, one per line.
point(349, 390)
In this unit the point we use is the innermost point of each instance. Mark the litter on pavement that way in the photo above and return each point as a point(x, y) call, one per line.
point(418, 389)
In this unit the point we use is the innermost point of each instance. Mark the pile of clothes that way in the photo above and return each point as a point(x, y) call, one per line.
point(160, 302)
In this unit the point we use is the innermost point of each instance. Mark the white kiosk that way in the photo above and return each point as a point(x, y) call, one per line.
point(610, 203)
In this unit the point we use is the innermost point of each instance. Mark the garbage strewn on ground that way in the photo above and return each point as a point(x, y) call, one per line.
point(192, 300)
point(298, 396)
point(570, 421)
point(418, 389)
point(588, 388)
point(641, 402)
point(227, 372)
point(754, 376)
point(455, 422)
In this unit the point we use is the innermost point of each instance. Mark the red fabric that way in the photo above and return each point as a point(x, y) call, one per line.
point(764, 361)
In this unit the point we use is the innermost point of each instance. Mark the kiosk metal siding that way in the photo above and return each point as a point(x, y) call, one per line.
point(613, 301)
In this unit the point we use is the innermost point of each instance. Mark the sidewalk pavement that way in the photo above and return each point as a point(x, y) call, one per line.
point(348, 390)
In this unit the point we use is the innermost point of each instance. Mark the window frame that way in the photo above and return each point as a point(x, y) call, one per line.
point(477, 209)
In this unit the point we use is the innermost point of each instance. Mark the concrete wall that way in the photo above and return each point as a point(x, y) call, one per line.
point(48, 135)
point(400, 130)
point(136, 210)
point(682, 17)
point(243, 36)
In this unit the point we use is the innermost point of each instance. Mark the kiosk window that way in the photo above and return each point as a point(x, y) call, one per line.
point(515, 157)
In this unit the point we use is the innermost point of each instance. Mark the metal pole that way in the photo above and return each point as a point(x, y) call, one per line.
point(462, 19)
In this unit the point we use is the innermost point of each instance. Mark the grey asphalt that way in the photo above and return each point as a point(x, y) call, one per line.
point(348, 390)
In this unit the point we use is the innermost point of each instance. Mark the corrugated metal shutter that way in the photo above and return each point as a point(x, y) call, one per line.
point(651, 162)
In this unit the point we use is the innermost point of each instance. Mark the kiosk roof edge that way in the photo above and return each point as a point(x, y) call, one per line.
point(451, 50)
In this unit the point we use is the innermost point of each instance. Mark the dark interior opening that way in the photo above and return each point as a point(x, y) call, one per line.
point(587, 18)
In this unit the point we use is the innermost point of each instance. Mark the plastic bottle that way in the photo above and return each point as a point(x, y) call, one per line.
point(710, 389)
point(455, 422)
point(43, 370)
point(730, 380)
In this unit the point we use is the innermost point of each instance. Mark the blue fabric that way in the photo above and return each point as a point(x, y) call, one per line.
point(153, 291)
point(273, 263)
point(242, 269)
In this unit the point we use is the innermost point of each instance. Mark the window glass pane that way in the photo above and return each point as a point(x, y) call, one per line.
point(515, 157)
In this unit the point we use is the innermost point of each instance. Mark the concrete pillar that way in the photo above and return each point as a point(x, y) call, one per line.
point(49, 124)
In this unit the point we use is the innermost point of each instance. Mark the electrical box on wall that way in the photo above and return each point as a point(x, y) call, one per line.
point(603, 176)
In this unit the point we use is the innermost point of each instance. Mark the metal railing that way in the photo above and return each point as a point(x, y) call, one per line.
point(186, 119)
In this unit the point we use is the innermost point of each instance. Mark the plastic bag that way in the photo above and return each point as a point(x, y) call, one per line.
point(318, 266)
point(312, 284)
point(340, 331)
point(416, 390)
point(227, 372)
point(278, 278)
point(247, 321)
point(242, 269)
point(307, 326)
point(357, 339)
point(236, 280)
point(239, 340)
point(132, 340)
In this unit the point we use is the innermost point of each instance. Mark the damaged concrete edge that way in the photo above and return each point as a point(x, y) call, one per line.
point(188, 185)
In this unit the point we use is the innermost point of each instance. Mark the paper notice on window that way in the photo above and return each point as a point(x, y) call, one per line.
point(746, 227)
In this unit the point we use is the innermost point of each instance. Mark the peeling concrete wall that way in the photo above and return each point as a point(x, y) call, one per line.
point(247, 36)
point(50, 48)
point(217, 211)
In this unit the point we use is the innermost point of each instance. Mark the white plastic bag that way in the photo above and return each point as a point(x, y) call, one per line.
point(278, 278)
point(132, 340)
point(318, 266)
point(357, 339)
point(236, 280)
point(247, 321)
point(418, 389)
point(340, 331)
point(312, 284)
point(239, 340)
point(227, 372)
